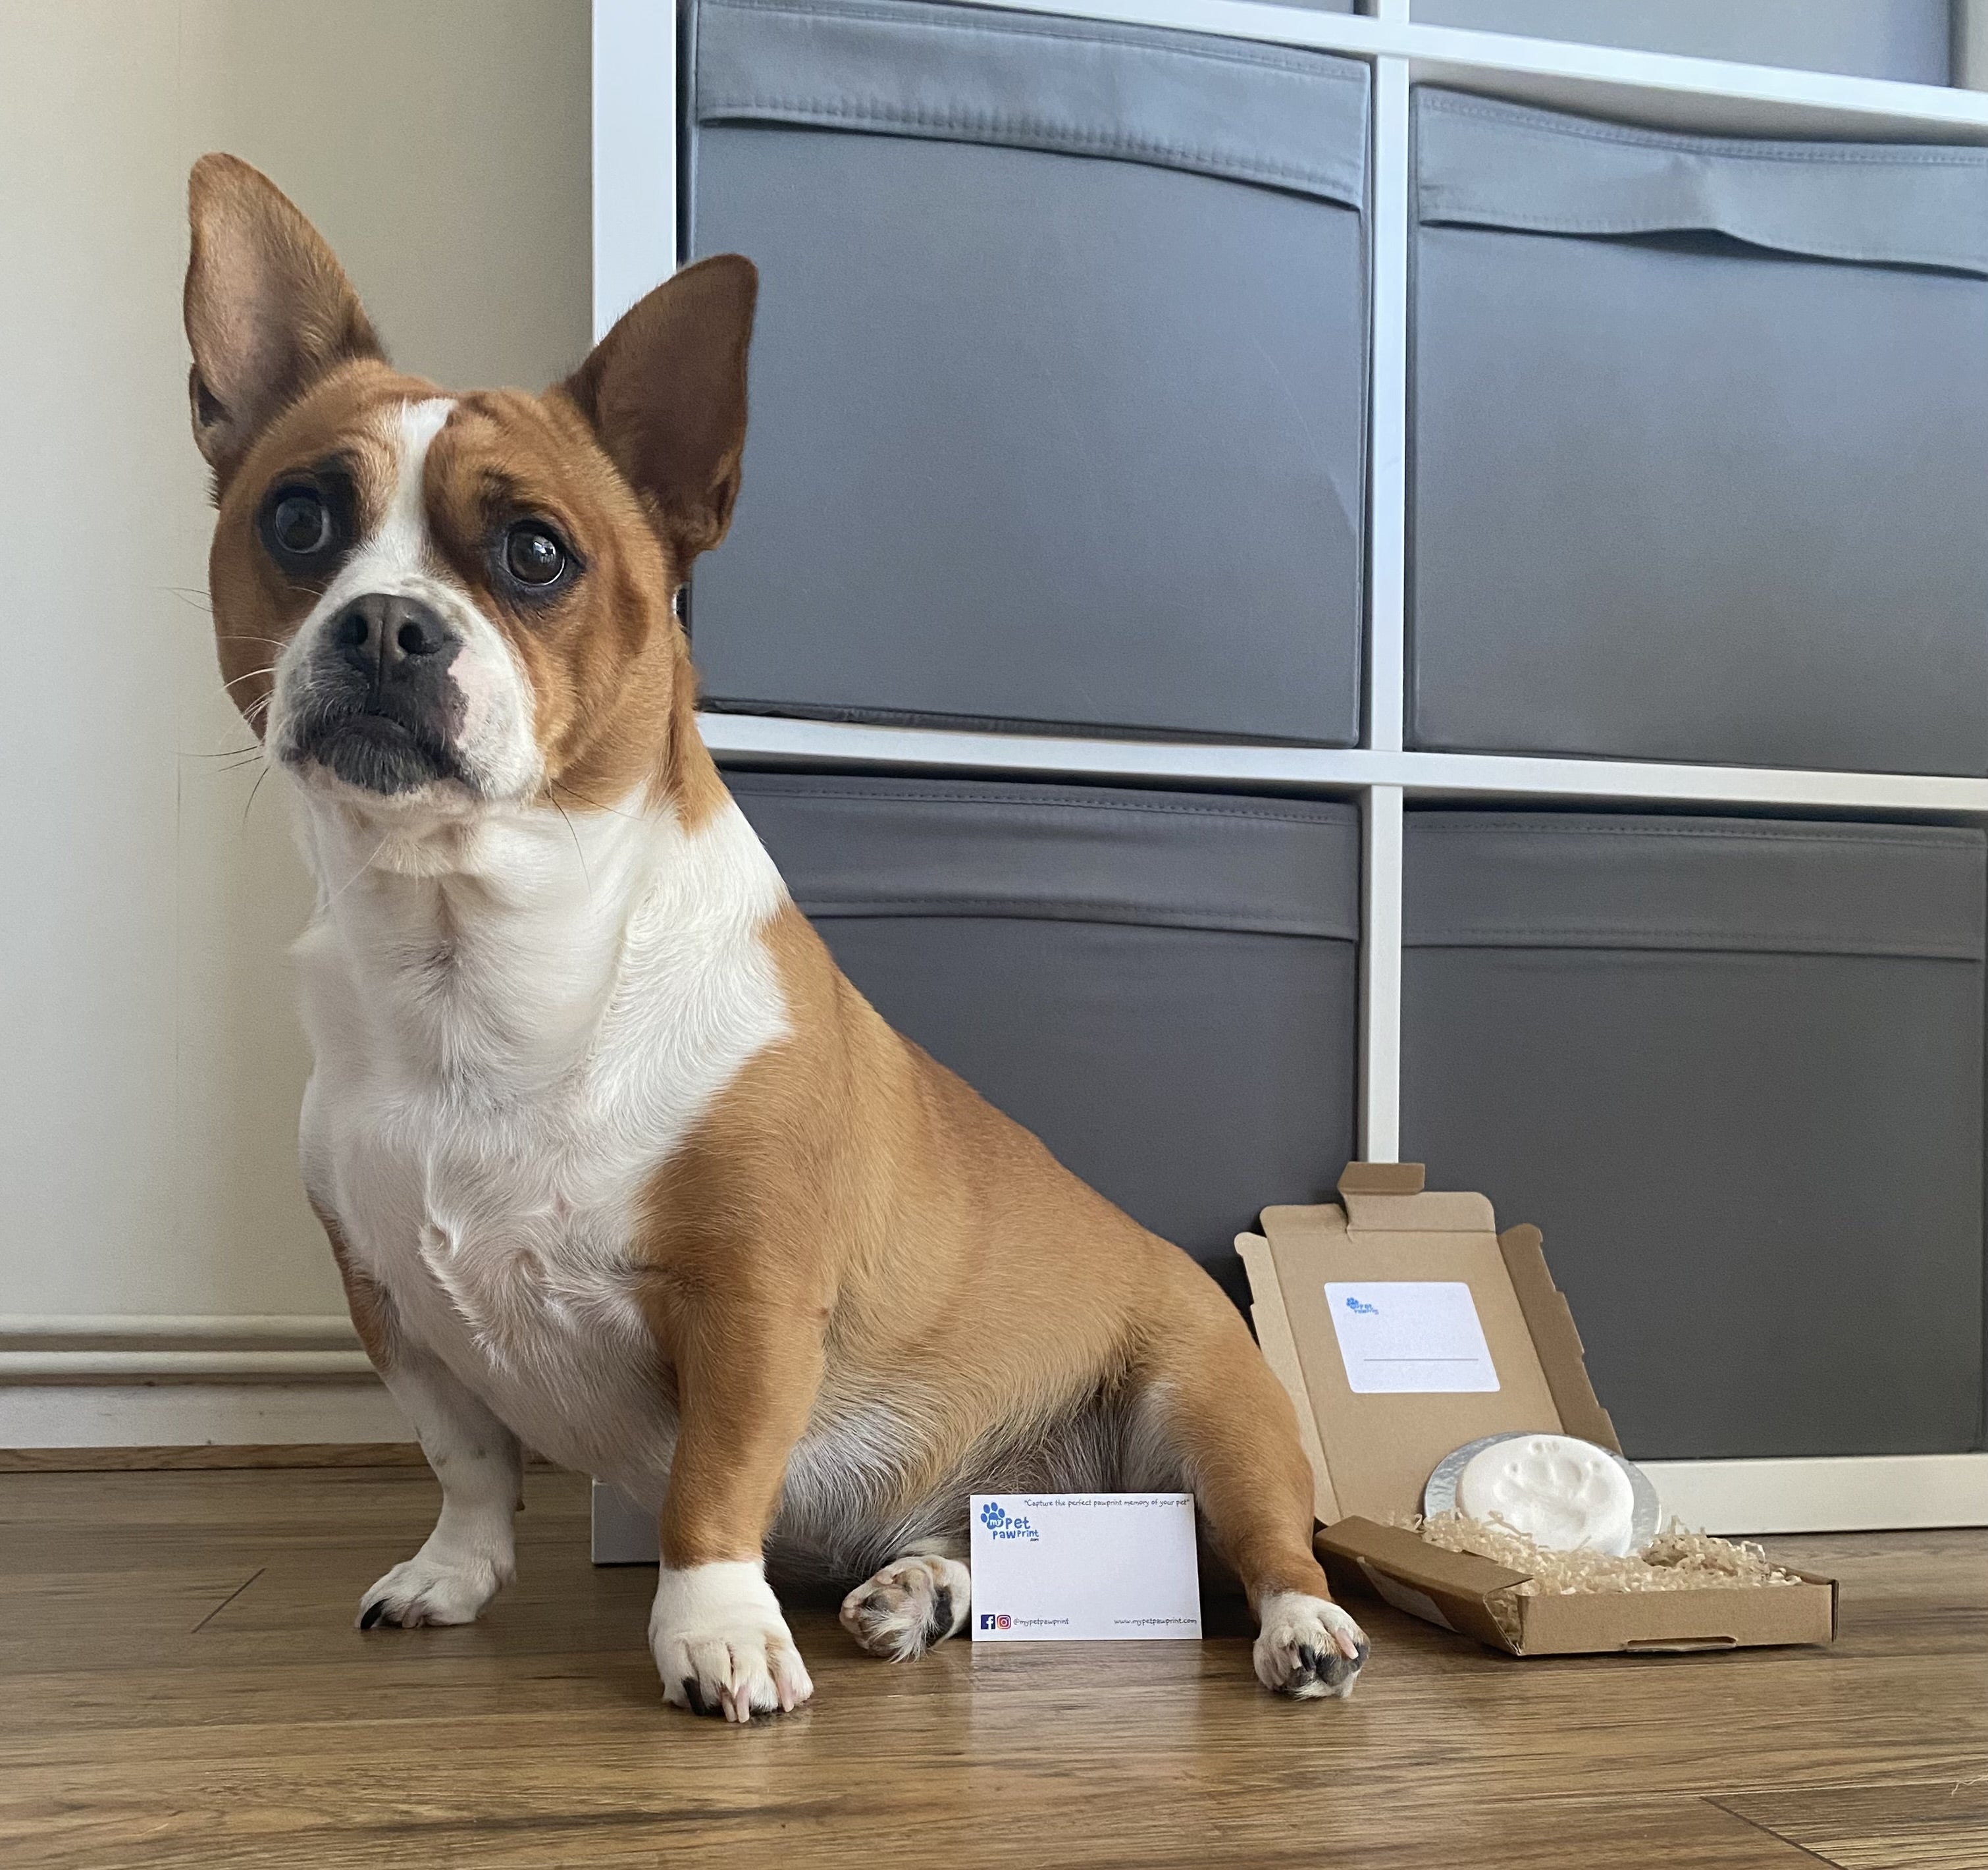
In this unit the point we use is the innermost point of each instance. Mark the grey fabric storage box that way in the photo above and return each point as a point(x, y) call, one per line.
point(1162, 986)
point(1059, 383)
point(1911, 40)
point(1700, 445)
point(1733, 1069)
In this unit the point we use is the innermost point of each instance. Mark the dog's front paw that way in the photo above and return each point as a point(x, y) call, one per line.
point(1307, 1647)
point(720, 1645)
point(907, 1606)
point(429, 1591)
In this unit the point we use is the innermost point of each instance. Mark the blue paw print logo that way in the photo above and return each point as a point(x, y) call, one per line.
point(1005, 1525)
point(1362, 1307)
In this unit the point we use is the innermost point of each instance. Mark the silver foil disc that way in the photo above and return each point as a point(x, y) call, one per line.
point(1440, 1495)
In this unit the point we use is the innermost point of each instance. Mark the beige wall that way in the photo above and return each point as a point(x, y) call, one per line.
point(149, 1062)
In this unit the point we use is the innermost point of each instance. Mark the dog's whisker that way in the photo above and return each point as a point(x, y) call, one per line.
point(586, 875)
point(359, 872)
point(594, 804)
point(252, 790)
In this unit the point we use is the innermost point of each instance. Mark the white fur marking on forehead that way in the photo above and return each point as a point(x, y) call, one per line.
point(401, 538)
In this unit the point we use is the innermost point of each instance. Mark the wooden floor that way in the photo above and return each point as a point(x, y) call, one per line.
point(180, 1684)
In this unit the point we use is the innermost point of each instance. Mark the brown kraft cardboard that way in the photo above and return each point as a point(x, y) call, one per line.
point(1372, 1454)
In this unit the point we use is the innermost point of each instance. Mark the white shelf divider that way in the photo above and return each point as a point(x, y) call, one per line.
point(1388, 411)
point(1713, 96)
point(1716, 96)
point(742, 739)
point(1381, 861)
point(634, 153)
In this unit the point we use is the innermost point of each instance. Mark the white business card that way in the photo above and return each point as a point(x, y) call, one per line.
point(1084, 1567)
point(1408, 1337)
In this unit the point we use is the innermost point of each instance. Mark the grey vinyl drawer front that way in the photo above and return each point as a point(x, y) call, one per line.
point(1162, 986)
point(1700, 445)
point(1910, 40)
point(1733, 1068)
point(1059, 382)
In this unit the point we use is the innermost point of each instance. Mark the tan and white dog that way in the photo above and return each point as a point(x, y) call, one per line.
point(615, 1163)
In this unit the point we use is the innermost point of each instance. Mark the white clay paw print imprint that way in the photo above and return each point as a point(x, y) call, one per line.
point(1568, 1496)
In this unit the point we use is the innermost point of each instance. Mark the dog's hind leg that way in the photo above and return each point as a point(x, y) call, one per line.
point(1206, 1414)
point(922, 1597)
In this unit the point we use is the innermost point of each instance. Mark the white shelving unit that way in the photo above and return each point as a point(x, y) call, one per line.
point(637, 244)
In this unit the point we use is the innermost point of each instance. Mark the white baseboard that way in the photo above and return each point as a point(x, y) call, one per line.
point(1856, 1494)
point(124, 1379)
point(115, 1347)
point(184, 1414)
point(174, 1331)
point(1862, 1493)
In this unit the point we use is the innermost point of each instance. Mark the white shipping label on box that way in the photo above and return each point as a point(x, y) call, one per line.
point(1084, 1567)
point(1407, 1337)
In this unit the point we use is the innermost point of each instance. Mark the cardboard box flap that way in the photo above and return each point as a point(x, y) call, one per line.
point(1273, 1338)
point(1451, 1590)
point(1410, 1557)
point(1679, 1620)
point(1394, 1195)
point(1378, 1448)
point(1323, 1224)
point(1382, 1178)
point(1447, 1213)
point(1550, 1320)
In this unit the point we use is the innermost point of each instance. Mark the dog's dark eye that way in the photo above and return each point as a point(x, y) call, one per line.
point(300, 522)
point(534, 555)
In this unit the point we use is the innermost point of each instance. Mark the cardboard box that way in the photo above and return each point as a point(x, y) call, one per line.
point(1372, 1449)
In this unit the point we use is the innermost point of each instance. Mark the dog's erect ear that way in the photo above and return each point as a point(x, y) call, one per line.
point(268, 309)
point(665, 392)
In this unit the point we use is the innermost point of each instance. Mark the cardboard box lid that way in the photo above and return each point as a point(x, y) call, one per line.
point(1372, 1454)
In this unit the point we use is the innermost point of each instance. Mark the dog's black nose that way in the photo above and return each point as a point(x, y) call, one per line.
point(377, 634)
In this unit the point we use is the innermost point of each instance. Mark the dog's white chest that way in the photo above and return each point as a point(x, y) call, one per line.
point(485, 1124)
point(508, 1249)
